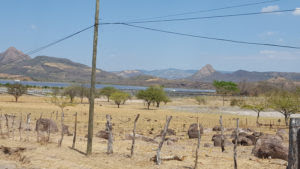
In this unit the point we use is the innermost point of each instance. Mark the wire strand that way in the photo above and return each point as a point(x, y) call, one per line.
point(212, 38)
point(202, 17)
point(207, 10)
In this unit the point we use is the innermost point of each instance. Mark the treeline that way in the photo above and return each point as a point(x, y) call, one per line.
point(153, 95)
point(283, 98)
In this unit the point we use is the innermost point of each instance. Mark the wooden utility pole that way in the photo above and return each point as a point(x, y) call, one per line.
point(294, 134)
point(93, 81)
point(235, 144)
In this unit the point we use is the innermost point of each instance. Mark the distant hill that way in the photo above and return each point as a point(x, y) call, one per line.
point(161, 73)
point(170, 73)
point(12, 55)
point(45, 68)
point(209, 74)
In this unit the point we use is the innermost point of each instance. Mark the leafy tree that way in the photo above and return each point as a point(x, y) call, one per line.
point(160, 95)
point(107, 91)
point(200, 100)
point(225, 88)
point(17, 90)
point(284, 102)
point(71, 92)
point(153, 94)
point(55, 91)
point(61, 102)
point(119, 97)
point(257, 105)
point(83, 92)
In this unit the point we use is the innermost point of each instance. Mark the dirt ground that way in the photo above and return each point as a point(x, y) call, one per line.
point(151, 122)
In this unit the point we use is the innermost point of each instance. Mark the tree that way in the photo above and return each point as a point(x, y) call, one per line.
point(160, 95)
point(61, 102)
point(120, 97)
point(257, 106)
point(153, 94)
point(200, 100)
point(17, 90)
point(71, 92)
point(284, 102)
point(225, 88)
point(83, 92)
point(107, 91)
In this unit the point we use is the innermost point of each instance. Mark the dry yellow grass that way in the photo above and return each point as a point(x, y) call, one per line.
point(50, 156)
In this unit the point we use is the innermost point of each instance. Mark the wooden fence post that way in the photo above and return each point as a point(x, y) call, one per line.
point(7, 125)
point(133, 135)
point(222, 134)
point(20, 127)
point(62, 129)
point(13, 126)
point(110, 135)
point(198, 145)
point(28, 120)
point(235, 143)
point(75, 131)
point(158, 159)
point(294, 144)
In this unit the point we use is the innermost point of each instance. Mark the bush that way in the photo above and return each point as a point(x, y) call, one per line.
point(236, 102)
point(201, 100)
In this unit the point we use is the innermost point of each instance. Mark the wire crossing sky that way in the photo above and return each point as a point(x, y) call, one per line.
point(30, 25)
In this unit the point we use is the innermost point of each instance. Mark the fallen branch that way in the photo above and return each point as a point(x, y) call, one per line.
point(168, 158)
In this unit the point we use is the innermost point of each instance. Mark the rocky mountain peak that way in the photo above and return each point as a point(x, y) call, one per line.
point(205, 71)
point(12, 55)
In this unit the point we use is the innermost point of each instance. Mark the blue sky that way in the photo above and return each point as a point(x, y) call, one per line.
point(32, 23)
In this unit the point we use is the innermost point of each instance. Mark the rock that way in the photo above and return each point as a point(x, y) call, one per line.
point(283, 134)
point(270, 146)
point(244, 139)
point(193, 130)
point(66, 130)
point(140, 137)
point(258, 134)
point(217, 140)
point(170, 132)
point(102, 134)
point(44, 124)
point(207, 145)
point(217, 128)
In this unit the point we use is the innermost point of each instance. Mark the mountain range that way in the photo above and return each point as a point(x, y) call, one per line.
point(14, 64)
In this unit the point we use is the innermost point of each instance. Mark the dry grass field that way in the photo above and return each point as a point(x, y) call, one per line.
point(151, 122)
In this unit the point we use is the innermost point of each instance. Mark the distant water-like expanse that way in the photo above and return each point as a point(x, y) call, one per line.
point(99, 86)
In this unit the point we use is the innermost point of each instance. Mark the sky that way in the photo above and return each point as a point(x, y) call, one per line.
point(30, 24)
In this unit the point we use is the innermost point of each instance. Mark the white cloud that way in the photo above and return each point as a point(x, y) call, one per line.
point(33, 27)
point(270, 8)
point(279, 55)
point(297, 11)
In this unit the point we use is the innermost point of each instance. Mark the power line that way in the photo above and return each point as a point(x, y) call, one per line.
point(212, 38)
point(57, 41)
point(208, 10)
point(202, 17)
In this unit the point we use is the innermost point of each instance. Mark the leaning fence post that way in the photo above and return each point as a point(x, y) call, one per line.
point(294, 141)
point(110, 136)
point(198, 144)
point(75, 131)
point(133, 135)
point(62, 129)
point(13, 126)
point(28, 120)
point(158, 160)
point(235, 143)
point(7, 126)
point(20, 127)
point(222, 134)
